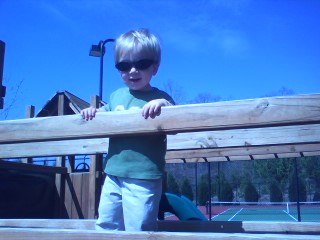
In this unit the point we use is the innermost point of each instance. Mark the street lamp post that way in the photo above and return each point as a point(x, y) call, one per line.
point(2, 88)
point(99, 51)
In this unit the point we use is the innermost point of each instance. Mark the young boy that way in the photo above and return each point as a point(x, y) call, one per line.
point(135, 165)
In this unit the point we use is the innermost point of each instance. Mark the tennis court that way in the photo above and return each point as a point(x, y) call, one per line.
point(309, 212)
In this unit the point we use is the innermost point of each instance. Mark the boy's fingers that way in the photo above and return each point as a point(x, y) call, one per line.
point(88, 113)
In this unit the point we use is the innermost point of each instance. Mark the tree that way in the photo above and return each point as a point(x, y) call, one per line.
point(186, 189)
point(311, 170)
point(250, 193)
point(205, 97)
point(236, 182)
point(226, 193)
point(316, 197)
point(203, 186)
point(275, 170)
point(275, 192)
point(12, 96)
point(175, 91)
point(283, 91)
point(172, 185)
point(293, 193)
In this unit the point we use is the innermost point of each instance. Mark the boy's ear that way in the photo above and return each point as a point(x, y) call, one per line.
point(155, 68)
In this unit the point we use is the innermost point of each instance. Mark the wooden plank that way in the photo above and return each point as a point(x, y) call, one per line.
point(95, 177)
point(88, 224)
point(240, 226)
point(54, 148)
point(60, 187)
point(213, 139)
point(30, 113)
point(32, 167)
point(68, 198)
point(79, 234)
point(76, 190)
point(258, 152)
point(317, 153)
point(101, 146)
point(279, 111)
point(246, 137)
point(177, 226)
point(85, 194)
point(254, 151)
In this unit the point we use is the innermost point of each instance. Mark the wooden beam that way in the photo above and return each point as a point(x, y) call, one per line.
point(297, 134)
point(93, 146)
point(235, 142)
point(30, 113)
point(177, 226)
point(279, 111)
point(71, 234)
point(95, 177)
point(54, 148)
point(79, 234)
point(32, 167)
point(240, 227)
point(257, 152)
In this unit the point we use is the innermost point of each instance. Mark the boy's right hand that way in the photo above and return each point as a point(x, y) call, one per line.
point(88, 113)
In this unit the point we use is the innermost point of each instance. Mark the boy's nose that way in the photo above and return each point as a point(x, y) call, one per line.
point(133, 69)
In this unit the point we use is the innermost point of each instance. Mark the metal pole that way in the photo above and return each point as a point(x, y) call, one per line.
point(2, 88)
point(196, 176)
point(209, 187)
point(102, 47)
point(101, 72)
point(298, 189)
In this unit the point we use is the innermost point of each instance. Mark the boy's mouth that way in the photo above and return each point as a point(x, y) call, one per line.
point(134, 79)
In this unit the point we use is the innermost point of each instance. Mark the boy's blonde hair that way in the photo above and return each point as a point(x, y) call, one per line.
point(140, 41)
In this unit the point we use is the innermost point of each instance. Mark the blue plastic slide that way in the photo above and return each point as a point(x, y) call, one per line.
point(181, 206)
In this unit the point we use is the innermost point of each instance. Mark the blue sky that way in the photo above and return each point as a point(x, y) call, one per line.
point(234, 49)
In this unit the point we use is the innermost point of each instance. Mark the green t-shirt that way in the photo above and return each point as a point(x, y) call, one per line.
point(140, 157)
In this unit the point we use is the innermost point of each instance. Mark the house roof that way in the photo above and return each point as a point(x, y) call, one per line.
point(71, 104)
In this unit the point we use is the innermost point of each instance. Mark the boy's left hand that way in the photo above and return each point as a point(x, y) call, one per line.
point(153, 108)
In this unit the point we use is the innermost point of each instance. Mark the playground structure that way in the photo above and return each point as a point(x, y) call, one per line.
point(225, 131)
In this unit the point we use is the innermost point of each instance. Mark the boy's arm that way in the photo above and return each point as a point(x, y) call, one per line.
point(153, 108)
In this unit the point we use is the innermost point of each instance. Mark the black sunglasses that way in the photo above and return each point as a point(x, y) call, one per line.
point(142, 64)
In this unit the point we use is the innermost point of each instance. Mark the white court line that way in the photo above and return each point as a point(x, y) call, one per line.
point(220, 213)
point(235, 214)
point(290, 215)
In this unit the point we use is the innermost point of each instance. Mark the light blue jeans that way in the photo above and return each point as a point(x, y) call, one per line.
point(128, 204)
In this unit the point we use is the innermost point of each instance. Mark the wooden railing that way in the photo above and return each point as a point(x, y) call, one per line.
point(232, 130)
point(283, 125)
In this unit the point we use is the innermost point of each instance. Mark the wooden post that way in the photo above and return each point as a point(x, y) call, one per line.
point(96, 175)
point(61, 162)
point(30, 114)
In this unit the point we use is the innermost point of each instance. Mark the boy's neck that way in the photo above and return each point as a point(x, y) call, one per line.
point(145, 89)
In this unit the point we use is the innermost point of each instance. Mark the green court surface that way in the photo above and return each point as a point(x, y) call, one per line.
point(281, 212)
